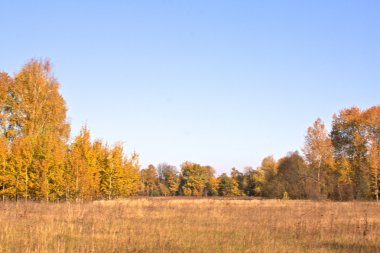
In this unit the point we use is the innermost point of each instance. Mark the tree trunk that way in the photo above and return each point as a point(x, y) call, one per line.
point(339, 192)
point(17, 188)
point(377, 189)
point(319, 179)
point(77, 185)
point(26, 184)
point(110, 189)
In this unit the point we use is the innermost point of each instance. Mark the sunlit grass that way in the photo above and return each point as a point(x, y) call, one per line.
point(190, 225)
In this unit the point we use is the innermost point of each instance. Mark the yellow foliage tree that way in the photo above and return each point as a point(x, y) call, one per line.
point(318, 152)
point(82, 178)
point(38, 120)
point(120, 177)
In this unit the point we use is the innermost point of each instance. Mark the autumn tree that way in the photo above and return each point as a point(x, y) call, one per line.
point(49, 164)
point(149, 180)
point(101, 154)
point(37, 105)
point(35, 160)
point(211, 186)
point(5, 176)
point(227, 186)
point(290, 178)
point(36, 114)
point(263, 175)
point(371, 118)
point(129, 177)
point(249, 182)
point(110, 173)
point(374, 169)
point(6, 82)
point(210, 181)
point(120, 175)
point(83, 174)
point(169, 176)
point(350, 144)
point(318, 152)
point(345, 173)
point(21, 175)
point(194, 178)
point(238, 177)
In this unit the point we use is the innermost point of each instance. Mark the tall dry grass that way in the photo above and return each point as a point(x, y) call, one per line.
point(190, 225)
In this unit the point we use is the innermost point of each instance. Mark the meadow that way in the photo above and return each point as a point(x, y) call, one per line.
point(190, 225)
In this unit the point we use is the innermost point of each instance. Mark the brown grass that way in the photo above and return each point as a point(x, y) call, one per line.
point(190, 225)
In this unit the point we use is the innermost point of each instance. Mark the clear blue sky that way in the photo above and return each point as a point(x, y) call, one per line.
point(223, 83)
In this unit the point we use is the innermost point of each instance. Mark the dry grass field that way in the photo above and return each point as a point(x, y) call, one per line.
point(190, 225)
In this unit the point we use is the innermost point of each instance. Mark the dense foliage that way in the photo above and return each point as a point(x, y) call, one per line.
point(341, 165)
point(38, 162)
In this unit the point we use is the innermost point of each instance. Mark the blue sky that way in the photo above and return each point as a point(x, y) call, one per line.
point(222, 83)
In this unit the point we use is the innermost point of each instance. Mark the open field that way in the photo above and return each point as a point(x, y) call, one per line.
point(190, 225)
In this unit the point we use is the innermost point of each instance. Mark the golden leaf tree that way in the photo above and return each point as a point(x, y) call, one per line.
point(39, 117)
point(120, 175)
point(33, 121)
point(82, 180)
point(318, 152)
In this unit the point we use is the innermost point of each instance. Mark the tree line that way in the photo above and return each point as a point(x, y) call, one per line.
point(38, 162)
point(341, 165)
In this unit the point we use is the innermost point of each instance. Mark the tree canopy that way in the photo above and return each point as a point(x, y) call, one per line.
point(39, 162)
